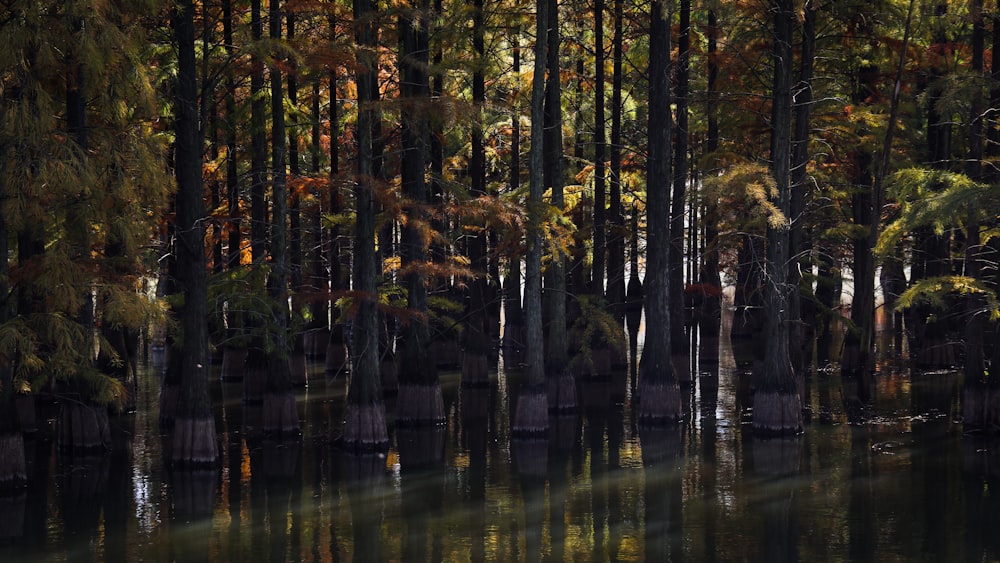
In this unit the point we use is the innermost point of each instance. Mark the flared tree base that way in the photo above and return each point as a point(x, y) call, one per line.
point(365, 429)
point(419, 405)
point(562, 395)
point(659, 403)
point(280, 417)
point(194, 443)
point(83, 427)
point(13, 467)
point(776, 414)
point(531, 415)
point(254, 378)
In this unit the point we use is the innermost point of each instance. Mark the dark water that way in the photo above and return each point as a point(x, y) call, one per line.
point(896, 482)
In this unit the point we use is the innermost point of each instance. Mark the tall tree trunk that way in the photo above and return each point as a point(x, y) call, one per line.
point(709, 276)
point(616, 219)
point(475, 368)
point(979, 408)
point(561, 385)
point(364, 419)
point(336, 350)
point(280, 415)
point(659, 393)
point(420, 401)
point(513, 333)
point(600, 175)
point(777, 405)
point(194, 439)
point(255, 372)
point(675, 259)
point(802, 104)
point(531, 412)
point(859, 345)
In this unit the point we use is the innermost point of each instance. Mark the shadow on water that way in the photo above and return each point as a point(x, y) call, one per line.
point(893, 480)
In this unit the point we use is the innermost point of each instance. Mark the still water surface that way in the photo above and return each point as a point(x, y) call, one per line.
point(896, 482)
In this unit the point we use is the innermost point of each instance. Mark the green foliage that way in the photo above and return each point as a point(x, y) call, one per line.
point(938, 199)
point(937, 292)
point(595, 325)
point(744, 192)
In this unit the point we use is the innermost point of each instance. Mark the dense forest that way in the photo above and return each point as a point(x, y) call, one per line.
point(399, 188)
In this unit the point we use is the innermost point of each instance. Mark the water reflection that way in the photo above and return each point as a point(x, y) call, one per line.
point(894, 480)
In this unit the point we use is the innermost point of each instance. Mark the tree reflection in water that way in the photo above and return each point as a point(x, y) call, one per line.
point(896, 480)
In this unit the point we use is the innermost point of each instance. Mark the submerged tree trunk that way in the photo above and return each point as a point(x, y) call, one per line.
point(777, 404)
point(420, 401)
point(659, 393)
point(475, 336)
point(364, 419)
point(561, 383)
point(531, 412)
point(615, 293)
point(679, 167)
point(194, 439)
point(13, 474)
point(280, 416)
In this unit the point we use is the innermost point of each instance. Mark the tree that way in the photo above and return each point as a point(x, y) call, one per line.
point(420, 401)
point(777, 405)
point(659, 393)
point(364, 417)
point(531, 413)
point(194, 439)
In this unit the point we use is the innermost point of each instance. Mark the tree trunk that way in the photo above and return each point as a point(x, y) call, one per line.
point(659, 393)
point(280, 418)
point(475, 367)
point(777, 405)
point(531, 411)
point(194, 441)
point(615, 293)
point(364, 420)
point(600, 202)
point(561, 384)
point(420, 402)
point(711, 317)
point(675, 258)
point(802, 104)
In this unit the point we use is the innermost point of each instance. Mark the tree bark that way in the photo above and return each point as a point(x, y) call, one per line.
point(419, 401)
point(531, 411)
point(659, 394)
point(364, 421)
point(194, 441)
point(615, 293)
point(675, 259)
point(777, 405)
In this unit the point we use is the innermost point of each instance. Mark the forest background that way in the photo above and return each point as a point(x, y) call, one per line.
point(265, 184)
